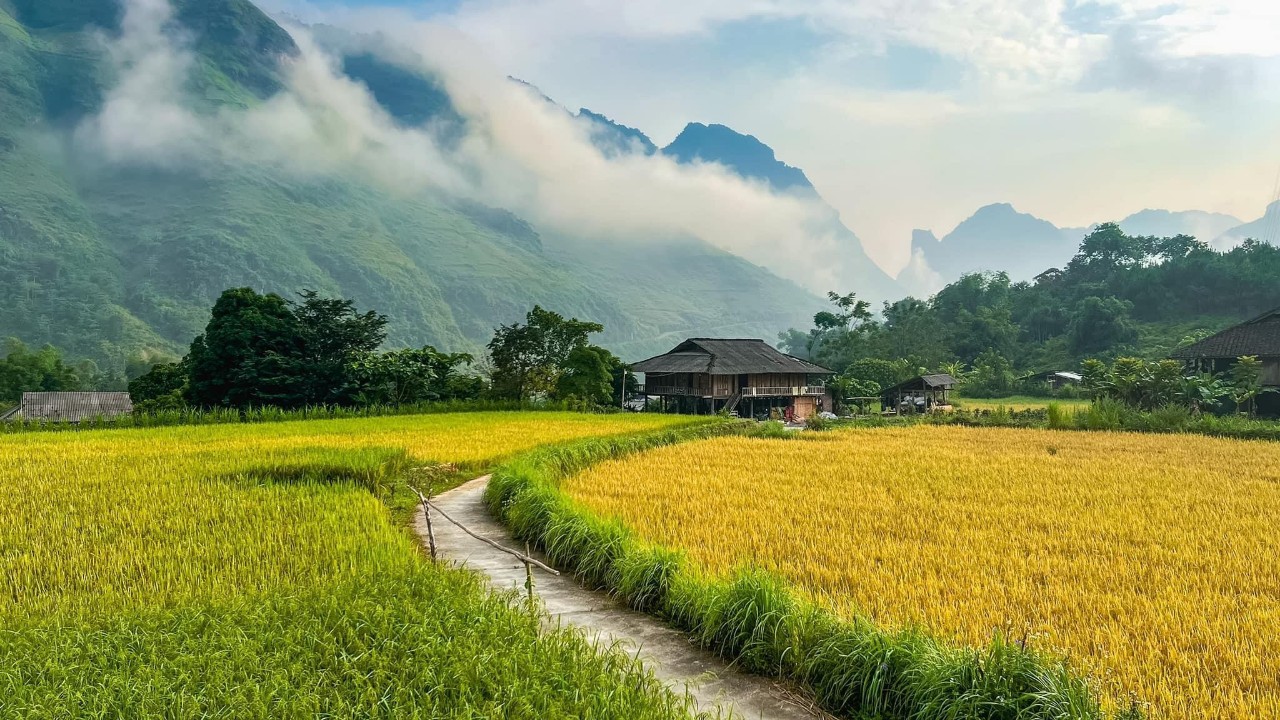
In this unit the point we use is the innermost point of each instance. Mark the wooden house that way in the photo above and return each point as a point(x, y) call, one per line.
point(1259, 337)
point(71, 407)
point(919, 394)
point(1055, 379)
point(751, 377)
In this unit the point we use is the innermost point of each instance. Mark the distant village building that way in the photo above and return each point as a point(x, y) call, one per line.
point(1259, 337)
point(751, 377)
point(70, 407)
point(919, 394)
point(1055, 379)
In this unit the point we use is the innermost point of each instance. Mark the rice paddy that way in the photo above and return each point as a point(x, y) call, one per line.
point(1150, 561)
point(254, 571)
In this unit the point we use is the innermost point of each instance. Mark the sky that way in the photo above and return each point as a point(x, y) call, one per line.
point(913, 113)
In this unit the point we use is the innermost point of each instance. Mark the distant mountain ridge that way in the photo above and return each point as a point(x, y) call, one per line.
point(1000, 238)
point(748, 157)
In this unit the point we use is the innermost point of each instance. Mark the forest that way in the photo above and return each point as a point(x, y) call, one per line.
point(1120, 296)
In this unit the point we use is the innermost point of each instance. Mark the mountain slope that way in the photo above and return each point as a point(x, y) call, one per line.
point(995, 238)
point(1265, 229)
point(1205, 226)
point(744, 154)
point(752, 159)
point(104, 260)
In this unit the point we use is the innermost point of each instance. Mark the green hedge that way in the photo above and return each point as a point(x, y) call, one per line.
point(1114, 415)
point(852, 668)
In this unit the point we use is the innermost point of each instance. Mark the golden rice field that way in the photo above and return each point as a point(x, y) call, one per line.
point(100, 519)
point(1151, 561)
point(248, 571)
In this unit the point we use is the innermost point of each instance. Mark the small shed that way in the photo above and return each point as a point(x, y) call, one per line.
point(1055, 379)
point(71, 407)
point(919, 394)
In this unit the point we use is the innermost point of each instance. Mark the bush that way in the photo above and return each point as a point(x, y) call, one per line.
point(817, 423)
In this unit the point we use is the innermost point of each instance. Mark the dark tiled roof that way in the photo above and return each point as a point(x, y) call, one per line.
point(1260, 336)
point(74, 406)
point(727, 357)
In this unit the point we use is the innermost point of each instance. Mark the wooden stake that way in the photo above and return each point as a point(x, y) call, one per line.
point(426, 513)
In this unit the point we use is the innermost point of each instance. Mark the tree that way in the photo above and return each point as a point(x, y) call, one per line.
point(333, 334)
point(406, 377)
point(22, 370)
point(1099, 324)
point(249, 355)
point(161, 388)
point(1246, 380)
point(587, 374)
point(528, 359)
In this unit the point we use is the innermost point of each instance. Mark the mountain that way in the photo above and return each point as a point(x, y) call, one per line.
point(104, 260)
point(744, 154)
point(1265, 229)
point(996, 238)
point(615, 138)
point(747, 156)
point(1163, 223)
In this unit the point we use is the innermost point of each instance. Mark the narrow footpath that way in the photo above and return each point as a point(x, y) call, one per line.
point(668, 653)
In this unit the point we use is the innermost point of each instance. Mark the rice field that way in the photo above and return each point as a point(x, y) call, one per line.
point(1150, 561)
point(255, 571)
point(1019, 403)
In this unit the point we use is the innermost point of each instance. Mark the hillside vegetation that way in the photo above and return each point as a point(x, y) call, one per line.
point(104, 260)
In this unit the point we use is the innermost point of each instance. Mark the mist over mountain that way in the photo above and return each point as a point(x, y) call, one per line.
point(1265, 229)
point(153, 154)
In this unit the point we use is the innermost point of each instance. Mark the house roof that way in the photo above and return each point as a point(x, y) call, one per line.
point(10, 413)
point(1259, 336)
point(74, 406)
point(923, 382)
point(1060, 374)
point(716, 356)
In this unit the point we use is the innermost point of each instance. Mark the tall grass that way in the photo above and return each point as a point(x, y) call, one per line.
point(853, 668)
point(229, 416)
point(1112, 415)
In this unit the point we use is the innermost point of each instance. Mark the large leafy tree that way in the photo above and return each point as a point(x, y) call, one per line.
point(23, 370)
point(332, 335)
point(528, 359)
point(249, 355)
point(588, 375)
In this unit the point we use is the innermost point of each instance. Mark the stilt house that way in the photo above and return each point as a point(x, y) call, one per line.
point(1260, 338)
point(708, 375)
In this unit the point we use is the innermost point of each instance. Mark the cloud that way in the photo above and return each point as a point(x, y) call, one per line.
point(144, 117)
point(520, 152)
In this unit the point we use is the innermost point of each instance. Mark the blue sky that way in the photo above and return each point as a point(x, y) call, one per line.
point(913, 114)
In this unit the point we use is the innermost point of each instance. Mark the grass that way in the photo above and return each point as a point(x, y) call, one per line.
point(1018, 403)
point(261, 571)
point(853, 665)
point(1149, 560)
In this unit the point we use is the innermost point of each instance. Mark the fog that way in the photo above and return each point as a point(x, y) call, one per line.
point(519, 151)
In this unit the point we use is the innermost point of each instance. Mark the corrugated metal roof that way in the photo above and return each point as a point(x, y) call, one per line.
point(718, 356)
point(1259, 336)
point(74, 406)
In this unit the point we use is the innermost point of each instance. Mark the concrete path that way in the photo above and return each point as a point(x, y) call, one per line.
point(668, 653)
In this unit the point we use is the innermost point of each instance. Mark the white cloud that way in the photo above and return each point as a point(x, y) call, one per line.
point(520, 152)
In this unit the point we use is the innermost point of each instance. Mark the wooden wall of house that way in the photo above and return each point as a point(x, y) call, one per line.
point(1271, 372)
point(778, 380)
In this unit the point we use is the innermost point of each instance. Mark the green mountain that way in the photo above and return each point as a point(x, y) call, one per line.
point(105, 260)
